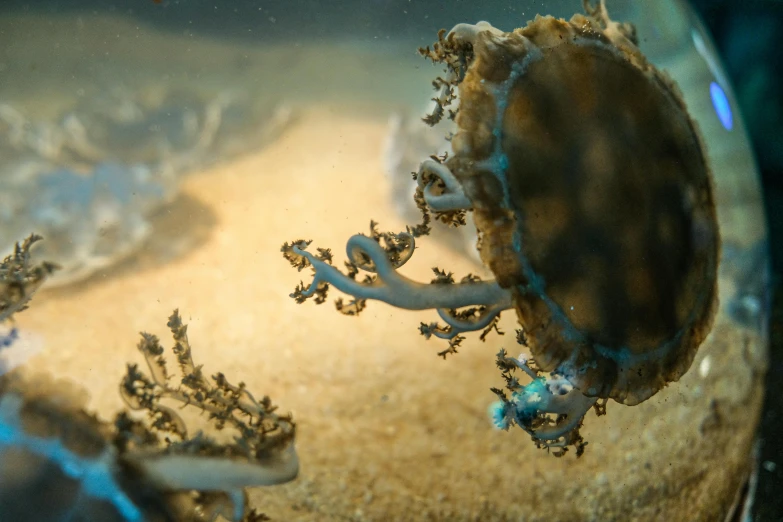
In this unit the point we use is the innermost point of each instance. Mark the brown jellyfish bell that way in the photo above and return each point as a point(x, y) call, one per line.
point(594, 207)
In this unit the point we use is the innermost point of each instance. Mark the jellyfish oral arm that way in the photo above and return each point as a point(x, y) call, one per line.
point(392, 288)
point(218, 473)
point(573, 405)
point(457, 325)
point(532, 406)
point(452, 196)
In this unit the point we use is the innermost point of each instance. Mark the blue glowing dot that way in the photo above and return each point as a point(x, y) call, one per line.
point(721, 104)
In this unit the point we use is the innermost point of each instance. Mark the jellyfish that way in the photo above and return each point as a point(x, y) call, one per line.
point(589, 187)
point(148, 468)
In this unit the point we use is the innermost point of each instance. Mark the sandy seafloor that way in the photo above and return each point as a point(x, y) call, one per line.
point(386, 429)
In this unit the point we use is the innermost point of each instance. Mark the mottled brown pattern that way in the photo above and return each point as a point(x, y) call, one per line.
point(609, 191)
point(618, 182)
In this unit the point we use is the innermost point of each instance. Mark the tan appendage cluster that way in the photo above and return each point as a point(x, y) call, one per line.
point(136, 468)
point(20, 278)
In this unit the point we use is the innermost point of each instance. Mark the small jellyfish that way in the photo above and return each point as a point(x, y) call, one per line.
point(140, 468)
point(589, 188)
point(131, 470)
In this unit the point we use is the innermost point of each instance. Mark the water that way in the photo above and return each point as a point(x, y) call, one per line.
point(167, 152)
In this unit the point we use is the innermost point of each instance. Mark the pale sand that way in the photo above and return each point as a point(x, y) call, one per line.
point(387, 430)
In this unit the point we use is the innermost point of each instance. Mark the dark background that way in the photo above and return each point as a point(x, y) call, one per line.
point(748, 34)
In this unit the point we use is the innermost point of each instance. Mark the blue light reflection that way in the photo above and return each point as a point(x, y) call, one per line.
point(722, 106)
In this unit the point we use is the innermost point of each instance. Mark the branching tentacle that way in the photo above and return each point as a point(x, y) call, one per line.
point(262, 451)
point(460, 323)
point(389, 286)
point(434, 176)
point(20, 278)
point(549, 408)
point(398, 248)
